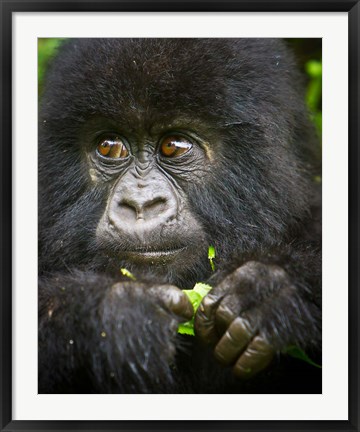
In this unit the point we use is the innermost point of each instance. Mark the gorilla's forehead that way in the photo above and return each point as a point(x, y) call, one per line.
point(140, 75)
point(152, 80)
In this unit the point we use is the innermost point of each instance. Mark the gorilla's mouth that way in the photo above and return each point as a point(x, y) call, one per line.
point(152, 256)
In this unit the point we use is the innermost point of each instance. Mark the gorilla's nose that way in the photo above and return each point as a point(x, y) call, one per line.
point(142, 207)
point(142, 203)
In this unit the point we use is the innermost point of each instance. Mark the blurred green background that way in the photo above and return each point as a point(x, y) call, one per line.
point(309, 56)
point(308, 52)
point(46, 50)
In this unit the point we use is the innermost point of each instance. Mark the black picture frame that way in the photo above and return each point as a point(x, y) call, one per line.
point(7, 9)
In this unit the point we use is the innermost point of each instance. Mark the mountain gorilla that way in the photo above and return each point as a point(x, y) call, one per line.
point(150, 151)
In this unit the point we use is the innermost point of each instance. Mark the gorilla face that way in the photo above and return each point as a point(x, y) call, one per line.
point(147, 221)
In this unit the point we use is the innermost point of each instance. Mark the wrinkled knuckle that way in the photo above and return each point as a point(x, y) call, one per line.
point(200, 319)
point(262, 343)
point(204, 329)
point(224, 313)
point(242, 325)
point(209, 301)
point(207, 306)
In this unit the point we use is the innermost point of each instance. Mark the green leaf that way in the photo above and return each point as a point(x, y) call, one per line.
point(211, 256)
point(128, 274)
point(202, 289)
point(298, 353)
point(187, 328)
point(211, 252)
point(195, 296)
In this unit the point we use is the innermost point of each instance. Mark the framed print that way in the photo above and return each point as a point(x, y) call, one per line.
point(179, 215)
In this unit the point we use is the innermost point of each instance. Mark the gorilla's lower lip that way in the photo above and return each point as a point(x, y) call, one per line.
point(153, 255)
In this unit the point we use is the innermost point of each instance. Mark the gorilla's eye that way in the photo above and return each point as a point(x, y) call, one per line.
point(113, 148)
point(173, 146)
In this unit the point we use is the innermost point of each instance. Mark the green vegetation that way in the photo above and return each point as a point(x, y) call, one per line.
point(46, 50)
point(128, 274)
point(314, 92)
point(211, 257)
point(298, 353)
point(195, 296)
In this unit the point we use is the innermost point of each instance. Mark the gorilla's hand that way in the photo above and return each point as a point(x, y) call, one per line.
point(249, 316)
point(137, 309)
point(121, 335)
point(166, 296)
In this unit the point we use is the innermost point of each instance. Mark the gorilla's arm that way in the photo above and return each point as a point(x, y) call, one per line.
point(97, 334)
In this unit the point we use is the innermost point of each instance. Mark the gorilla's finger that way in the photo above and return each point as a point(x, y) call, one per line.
point(237, 278)
point(234, 342)
point(204, 323)
point(228, 310)
point(254, 359)
point(174, 299)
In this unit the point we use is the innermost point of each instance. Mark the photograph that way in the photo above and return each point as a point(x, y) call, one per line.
point(179, 215)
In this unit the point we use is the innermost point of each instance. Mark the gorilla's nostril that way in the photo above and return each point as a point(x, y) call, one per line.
point(155, 201)
point(127, 211)
point(154, 208)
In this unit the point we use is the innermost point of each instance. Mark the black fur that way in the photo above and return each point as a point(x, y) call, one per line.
point(249, 193)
